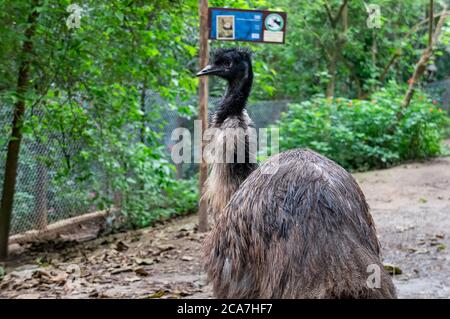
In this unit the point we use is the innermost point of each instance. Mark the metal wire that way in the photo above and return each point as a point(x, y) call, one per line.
point(41, 196)
point(44, 196)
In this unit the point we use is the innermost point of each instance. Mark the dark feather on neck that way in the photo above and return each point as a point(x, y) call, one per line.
point(234, 101)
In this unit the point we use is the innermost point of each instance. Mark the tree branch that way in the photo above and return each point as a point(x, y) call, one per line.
point(341, 9)
point(398, 53)
point(421, 65)
point(334, 21)
point(430, 25)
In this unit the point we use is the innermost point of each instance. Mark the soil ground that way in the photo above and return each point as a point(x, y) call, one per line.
point(410, 204)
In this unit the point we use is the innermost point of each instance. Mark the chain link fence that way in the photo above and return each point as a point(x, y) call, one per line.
point(44, 195)
point(440, 91)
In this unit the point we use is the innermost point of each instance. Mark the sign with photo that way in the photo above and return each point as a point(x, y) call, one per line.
point(247, 25)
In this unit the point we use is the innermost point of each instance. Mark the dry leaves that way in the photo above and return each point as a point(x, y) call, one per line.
point(392, 269)
point(165, 262)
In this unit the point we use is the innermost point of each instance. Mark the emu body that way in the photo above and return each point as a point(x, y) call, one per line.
point(296, 227)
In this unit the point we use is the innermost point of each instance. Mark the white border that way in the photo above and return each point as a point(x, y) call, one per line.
point(217, 28)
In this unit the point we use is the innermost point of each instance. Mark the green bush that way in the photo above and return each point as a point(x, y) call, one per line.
point(366, 134)
point(177, 198)
point(149, 192)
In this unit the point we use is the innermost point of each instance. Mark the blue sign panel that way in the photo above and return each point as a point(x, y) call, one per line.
point(247, 25)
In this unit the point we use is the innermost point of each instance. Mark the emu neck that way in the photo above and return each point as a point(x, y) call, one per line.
point(235, 99)
point(225, 178)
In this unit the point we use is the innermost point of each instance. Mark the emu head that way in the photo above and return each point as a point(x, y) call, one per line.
point(230, 64)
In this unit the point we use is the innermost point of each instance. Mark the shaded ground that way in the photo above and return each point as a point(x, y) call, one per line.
point(410, 205)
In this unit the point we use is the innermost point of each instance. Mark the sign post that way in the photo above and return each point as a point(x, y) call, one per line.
point(203, 113)
point(228, 24)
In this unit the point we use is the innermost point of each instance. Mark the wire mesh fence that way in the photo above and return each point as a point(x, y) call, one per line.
point(45, 195)
point(42, 196)
point(440, 91)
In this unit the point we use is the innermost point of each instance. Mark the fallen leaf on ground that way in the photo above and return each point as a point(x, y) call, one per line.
point(157, 294)
point(422, 251)
point(121, 270)
point(40, 274)
point(178, 293)
point(42, 261)
point(164, 248)
point(392, 269)
point(402, 229)
point(421, 242)
point(141, 272)
point(121, 246)
point(187, 258)
point(144, 261)
point(434, 242)
point(133, 279)
point(60, 278)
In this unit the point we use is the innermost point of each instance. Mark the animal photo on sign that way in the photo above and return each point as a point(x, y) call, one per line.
point(225, 27)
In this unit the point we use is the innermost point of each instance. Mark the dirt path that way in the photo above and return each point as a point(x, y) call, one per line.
point(410, 205)
point(411, 208)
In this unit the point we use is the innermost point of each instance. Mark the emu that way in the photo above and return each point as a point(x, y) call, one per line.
point(303, 230)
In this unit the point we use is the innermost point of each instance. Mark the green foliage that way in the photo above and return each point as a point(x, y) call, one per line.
point(86, 101)
point(2, 272)
point(365, 134)
point(179, 197)
point(88, 87)
point(360, 54)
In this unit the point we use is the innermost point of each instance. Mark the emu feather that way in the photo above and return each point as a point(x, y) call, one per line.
point(296, 227)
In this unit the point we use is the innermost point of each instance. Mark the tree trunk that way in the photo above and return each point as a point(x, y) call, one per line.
point(12, 156)
point(391, 62)
point(345, 18)
point(332, 72)
point(338, 42)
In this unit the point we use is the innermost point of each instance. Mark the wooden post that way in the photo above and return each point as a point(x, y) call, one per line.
point(203, 112)
point(12, 156)
point(40, 197)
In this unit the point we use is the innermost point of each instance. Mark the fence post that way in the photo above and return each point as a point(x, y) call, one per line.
point(203, 112)
point(40, 196)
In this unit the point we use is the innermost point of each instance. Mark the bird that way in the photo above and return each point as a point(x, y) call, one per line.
point(296, 226)
point(275, 22)
point(227, 26)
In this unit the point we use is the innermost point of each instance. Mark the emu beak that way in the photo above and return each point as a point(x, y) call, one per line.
point(209, 70)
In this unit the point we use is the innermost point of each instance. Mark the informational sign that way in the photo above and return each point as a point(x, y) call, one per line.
point(247, 25)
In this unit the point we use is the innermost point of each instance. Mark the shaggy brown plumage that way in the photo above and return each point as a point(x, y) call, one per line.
point(303, 232)
point(296, 227)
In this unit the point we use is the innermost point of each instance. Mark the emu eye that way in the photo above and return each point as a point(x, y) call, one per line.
point(228, 64)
